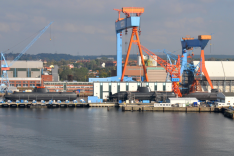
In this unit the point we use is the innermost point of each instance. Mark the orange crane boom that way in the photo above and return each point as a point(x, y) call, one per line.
point(174, 70)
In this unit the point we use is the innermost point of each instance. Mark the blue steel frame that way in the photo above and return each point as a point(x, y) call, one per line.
point(186, 44)
point(120, 26)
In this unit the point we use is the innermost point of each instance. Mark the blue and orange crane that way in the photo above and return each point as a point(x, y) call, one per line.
point(187, 44)
point(122, 24)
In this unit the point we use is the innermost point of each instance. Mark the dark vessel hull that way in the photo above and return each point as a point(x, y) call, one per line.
point(206, 96)
point(143, 93)
point(41, 94)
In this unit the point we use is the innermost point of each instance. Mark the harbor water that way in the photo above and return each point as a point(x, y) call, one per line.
point(97, 131)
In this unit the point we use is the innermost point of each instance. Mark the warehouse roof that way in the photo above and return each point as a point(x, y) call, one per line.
point(26, 64)
point(228, 93)
point(219, 70)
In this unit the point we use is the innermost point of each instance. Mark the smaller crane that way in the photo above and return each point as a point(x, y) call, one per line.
point(5, 67)
point(172, 69)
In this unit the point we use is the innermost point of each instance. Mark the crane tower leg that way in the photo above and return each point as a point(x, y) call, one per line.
point(134, 33)
point(119, 53)
point(203, 69)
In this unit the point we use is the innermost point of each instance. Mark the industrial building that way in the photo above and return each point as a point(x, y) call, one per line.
point(103, 89)
point(229, 98)
point(85, 87)
point(30, 74)
point(25, 73)
point(154, 73)
point(151, 61)
point(221, 75)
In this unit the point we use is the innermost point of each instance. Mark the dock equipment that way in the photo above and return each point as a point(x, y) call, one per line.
point(125, 23)
point(172, 69)
point(187, 44)
point(5, 67)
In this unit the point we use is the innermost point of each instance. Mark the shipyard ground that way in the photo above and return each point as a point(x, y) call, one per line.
point(140, 107)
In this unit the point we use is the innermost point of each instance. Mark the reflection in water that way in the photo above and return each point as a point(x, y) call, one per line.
point(96, 131)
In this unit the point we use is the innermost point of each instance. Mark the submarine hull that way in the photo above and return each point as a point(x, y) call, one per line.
point(206, 96)
point(41, 93)
point(152, 96)
point(41, 96)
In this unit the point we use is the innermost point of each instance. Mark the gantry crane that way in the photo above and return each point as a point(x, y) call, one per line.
point(187, 44)
point(122, 24)
point(5, 67)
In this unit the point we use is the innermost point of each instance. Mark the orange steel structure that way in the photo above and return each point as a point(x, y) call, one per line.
point(137, 41)
point(196, 86)
point(173, 70)
point(138, 11)
point(187, 44)
point(119, 19)
point(132, 10)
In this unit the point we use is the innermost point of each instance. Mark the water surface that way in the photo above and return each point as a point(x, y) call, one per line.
point(96, 131)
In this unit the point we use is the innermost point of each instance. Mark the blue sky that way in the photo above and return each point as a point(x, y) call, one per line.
point(86, 27)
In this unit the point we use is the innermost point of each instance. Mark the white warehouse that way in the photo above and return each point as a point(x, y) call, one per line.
point(103, 89)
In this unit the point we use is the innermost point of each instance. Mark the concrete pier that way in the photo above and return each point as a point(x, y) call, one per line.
point(170, 109)
point(110, 104)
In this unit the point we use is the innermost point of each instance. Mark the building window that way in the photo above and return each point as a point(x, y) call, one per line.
point(18, 85)
point(32, 85)
point(25, 85)
point(32, 81)
point(12, 85)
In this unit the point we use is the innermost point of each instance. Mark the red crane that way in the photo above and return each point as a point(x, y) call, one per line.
point(173, 70)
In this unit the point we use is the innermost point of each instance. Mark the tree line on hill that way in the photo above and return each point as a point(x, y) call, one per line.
point(92, 68)
point(58, 57)
point(82, 71)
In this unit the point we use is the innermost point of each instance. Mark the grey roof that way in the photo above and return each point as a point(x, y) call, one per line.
point(26, 64)
point(228, 93)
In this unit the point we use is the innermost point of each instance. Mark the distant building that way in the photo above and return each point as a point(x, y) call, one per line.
point(46, 78)
point(103, 65)
point(25, 73)
point(81, 87)
point(47, 68)
point(152, 61)
point(110, 58)
point(51, 66)
point(70, 66)
point(82, 61)
point(110, 64)
point(55, 73)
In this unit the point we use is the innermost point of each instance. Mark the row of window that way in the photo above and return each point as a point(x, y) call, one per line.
point(24, 85)
point(79, 86)
point(24, 81)
point(69, 87)
point(69, 83)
